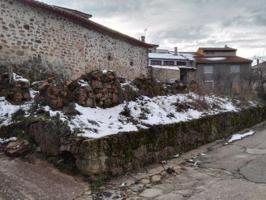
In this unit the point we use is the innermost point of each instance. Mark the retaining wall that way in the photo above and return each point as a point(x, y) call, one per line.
point(116, 154)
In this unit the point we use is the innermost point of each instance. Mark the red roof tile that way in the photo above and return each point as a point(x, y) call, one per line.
point(76, 18)
point(217, 49)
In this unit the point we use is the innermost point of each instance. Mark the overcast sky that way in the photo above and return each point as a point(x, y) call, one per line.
point(186, 24)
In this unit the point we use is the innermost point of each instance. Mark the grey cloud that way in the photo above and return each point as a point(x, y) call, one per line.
point(191, 23)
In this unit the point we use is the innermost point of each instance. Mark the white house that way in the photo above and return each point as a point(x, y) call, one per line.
point(170, 66)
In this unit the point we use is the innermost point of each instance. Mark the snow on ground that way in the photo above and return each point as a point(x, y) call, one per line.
point(133, 115)
point(83, 83)
point(97, 122)
point(7, 109)
point(237, 137)
point(4, 141)
point(19, 78)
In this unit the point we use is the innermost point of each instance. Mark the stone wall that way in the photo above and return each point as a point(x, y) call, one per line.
point(46, 43)
point(120, 153)
point(165, 75)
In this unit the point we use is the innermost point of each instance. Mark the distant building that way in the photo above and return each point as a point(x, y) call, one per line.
point(170, 66)
point(221, 70)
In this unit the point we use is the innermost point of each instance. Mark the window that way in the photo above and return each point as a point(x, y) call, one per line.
point(156, 62)
point(179, 63)
point(208, 69)
point(234, 69)
point(169, 63)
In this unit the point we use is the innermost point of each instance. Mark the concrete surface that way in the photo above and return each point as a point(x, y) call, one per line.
point(213, 172)
point(20, 180)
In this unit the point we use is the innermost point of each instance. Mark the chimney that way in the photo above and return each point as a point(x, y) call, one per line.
point(258, 61)
point(143, 38)
point(175, 51)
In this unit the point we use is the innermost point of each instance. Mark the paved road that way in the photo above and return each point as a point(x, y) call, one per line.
point(21, 180)
point(214, 172)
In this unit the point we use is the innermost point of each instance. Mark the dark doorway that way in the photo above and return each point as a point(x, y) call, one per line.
point(183, 76)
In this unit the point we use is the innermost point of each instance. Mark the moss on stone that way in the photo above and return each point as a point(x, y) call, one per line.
point(127, 151)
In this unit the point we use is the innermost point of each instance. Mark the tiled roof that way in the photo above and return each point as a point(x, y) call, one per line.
point(217, 49)
point(81, 14)
point(78, 19)
point(217, 60)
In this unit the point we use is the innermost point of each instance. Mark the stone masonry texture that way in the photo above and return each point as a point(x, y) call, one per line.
point(61, 46)
point(121, 153)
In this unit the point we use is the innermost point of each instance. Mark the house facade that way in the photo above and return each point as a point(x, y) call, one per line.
point(65, 42)
point(171, 66)
point(221, 70)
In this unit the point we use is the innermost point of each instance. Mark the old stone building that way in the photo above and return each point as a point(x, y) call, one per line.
point(49, 39)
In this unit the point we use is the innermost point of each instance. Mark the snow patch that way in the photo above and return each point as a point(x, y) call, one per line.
point(237, 137)
point(105, 71)
point(129, 116)
point(83, 83)
point(7, 110)
point(215, 58)
point(5, 141)
point(166, 67)
point(140, 114)
point(19, 78)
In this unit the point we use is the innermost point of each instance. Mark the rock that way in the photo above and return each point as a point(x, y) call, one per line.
point(49, 134)
point(96, 84)
point(70, 109)
point(151, 193)
point(54, 95)
point(156, 179)
point(130, 92)
point(137, 188)
point(149, 87)
point(97, 88)
point(170, 170)
point(17, 148)
point(109, 195)
point(170, 196)
point(15, 89)
point(37, 85)
point(81, 92)
point(145, 181)
point(185, 193)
